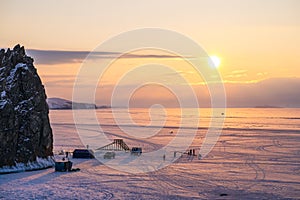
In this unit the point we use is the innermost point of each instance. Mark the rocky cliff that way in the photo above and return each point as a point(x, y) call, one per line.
point(25, 132)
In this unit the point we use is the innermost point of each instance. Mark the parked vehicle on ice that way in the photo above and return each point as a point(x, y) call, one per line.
point(136, 151)
point(109, 155)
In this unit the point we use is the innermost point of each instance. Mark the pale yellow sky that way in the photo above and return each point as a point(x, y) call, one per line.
point(255, 40)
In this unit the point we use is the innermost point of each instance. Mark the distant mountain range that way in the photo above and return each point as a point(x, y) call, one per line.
point(267, 106)
point(64, 104)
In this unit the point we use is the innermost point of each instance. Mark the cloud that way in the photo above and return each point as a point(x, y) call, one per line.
point(237, 74)
point(53, 57)
point(242, 71)
point(65, 83)
point(282, 92)
point(262, 73)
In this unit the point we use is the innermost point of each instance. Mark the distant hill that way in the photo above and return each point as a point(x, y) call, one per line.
point(267, 106)
point(63, 104)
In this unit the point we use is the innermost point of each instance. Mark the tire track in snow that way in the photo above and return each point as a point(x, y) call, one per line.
point(259, 172)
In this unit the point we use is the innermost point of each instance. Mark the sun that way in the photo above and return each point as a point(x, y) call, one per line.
point(215, 61)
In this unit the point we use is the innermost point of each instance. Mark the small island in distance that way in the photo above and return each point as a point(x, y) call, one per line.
point(64, 104)
point(268, 106)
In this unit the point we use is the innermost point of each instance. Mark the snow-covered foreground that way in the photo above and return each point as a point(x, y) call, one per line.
point(237, 168)
point(244, 164)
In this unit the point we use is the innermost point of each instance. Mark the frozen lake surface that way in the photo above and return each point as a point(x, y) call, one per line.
point(256, 157)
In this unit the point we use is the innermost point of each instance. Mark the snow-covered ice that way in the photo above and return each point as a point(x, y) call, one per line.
point(40, 163)
point(251, 160)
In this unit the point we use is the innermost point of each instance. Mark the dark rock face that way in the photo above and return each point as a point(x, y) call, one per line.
point(25, 131)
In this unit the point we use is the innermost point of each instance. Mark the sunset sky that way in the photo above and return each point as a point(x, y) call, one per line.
point(258, 42)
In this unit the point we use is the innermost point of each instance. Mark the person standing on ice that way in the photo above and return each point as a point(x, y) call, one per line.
point(67, 155)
